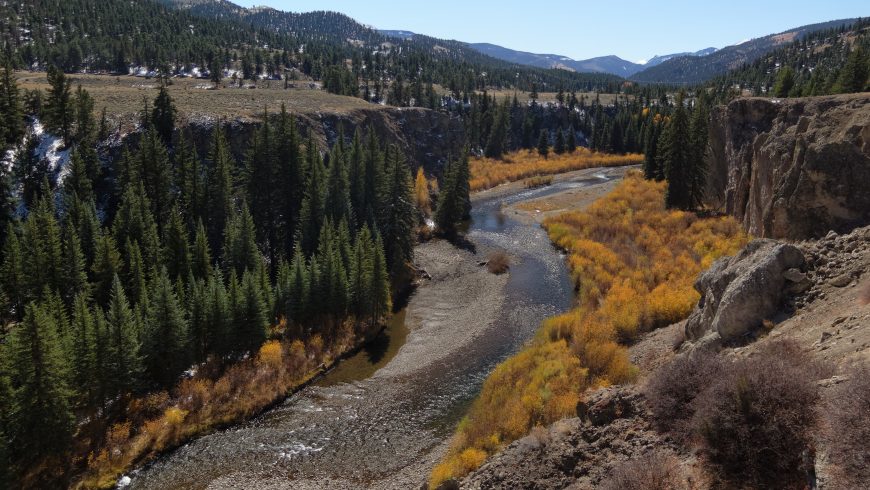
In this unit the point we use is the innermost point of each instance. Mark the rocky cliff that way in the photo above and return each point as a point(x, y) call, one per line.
point(792, 168)
point(427, 138)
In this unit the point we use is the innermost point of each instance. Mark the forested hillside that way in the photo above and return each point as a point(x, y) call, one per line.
point(825, 62)
point(698, 69)
point(220, 39)
point(116, 279)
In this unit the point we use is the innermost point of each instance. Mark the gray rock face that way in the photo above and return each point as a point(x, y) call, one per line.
point(792, 168)
point(738, 293)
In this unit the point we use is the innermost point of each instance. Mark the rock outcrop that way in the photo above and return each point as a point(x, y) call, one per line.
point(738, 293)
point(792, 168)
point(612, 427)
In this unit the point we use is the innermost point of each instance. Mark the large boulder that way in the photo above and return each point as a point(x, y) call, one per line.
point(739, 292)
point(792, 168)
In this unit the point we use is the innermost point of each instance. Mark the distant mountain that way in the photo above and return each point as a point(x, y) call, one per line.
point(697, 69)
point(603, 64)
point(657, 60)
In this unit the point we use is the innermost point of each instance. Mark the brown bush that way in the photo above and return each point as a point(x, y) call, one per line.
point(758, 418)
point(654, 471)
point(848, 430)
point(672, 390)
point(498, 263)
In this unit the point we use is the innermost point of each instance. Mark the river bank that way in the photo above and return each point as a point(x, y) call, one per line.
point(387, 431)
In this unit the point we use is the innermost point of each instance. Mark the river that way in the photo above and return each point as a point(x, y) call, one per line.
point(383, 418)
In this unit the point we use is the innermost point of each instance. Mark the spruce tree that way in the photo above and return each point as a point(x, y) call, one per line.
point(784, 82)
point(543, 144)
point(218, 316)
point(84, 351)
point(12, 275)
point(298, 291)
point(10, 107)
point(290, 163)
point(337, 205)
point(853, 75)
point(42, 417)
point(166, 333)
point(361, 275)
point(58, 114)
point(674, 154)
point(41, 249)
point(85, 125)
point(74, 280)
point(380, 288)
point(220, 188)
point(156, 176)
point(559, 146)
point(398, 222)
point(176, 247)
point(571, 143)
point(201, 265)
point(123, 351)
point(496, 145)
point(313, 205)
point(107, 265)
point(163, 115)
point(251, 315)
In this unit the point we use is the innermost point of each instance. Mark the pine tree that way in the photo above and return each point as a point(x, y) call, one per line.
point(398, 222)
point(251, 316)
point(191, 181)
point(135, 223)
point(12, 276)
point(313, 205)
point(176, 247)
point(218, 316)
point(380, 288)
point(42, 417)
point(41, 249)
point(10, 107)
point(84, 351)
point(240, 245)
point(337, 205)
point(85, 125)
point(298, 291)
point(361, 275)
point(163, 115)
point(107, 265)
point(559, 146)
point(58, 116)
point(496, 145)
point(166, 333)
point(123, 351)
point(74, 280)
point(571, 144)
point(357, 179)
point(543, 144)
point(156, 176)
point(674, 153)
point(291, 177)
point(784, 82)
point(853, 75)
point(220, 188)
point(201, 260)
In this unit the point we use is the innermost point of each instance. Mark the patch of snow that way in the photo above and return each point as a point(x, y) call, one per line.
point(124, 481)
point(49, 149)
point(430, 223)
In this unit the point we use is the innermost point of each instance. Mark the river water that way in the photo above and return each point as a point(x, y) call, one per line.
point(381, 419)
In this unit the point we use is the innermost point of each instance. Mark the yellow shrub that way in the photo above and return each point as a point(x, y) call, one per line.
point(270, 354)
point(634, 263)
point(489, 172)
point(174, 415)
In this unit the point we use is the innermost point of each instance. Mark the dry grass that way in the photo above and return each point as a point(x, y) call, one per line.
point(123, 96)
point(489, 172)
point(848, 430)
point(634, 263)
point(498, 263)
point(538, 181)
point(654, 471)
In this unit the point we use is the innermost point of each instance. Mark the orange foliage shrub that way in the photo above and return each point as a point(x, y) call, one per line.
point(634, 263)
point(202, 403)
point(489, 172)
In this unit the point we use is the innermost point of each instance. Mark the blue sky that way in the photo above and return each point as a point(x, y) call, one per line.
point(634, 30)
